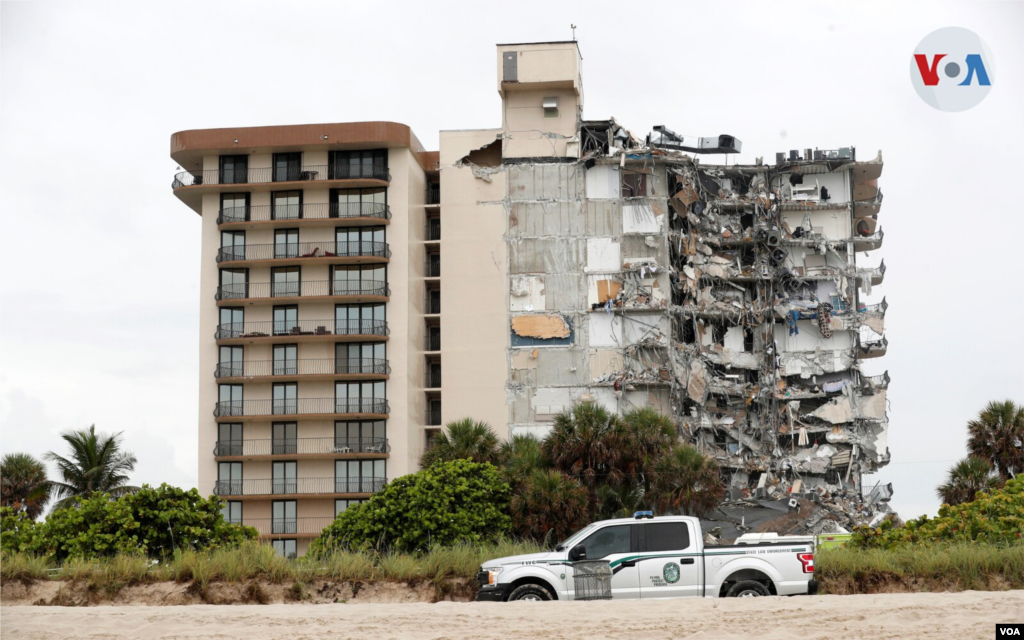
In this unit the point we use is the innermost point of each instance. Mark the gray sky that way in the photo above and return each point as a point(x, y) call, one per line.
point(99, 294)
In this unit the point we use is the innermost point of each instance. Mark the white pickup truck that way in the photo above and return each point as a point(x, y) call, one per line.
point(662, 557)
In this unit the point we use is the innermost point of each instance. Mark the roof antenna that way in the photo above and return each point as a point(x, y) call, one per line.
point(573, 32)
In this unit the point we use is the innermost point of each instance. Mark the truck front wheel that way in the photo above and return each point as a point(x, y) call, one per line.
point(529, 593)
point(747, 589)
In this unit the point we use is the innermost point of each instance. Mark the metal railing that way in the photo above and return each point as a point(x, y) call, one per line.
point(433, 266)
point(431, 304)
point(433, 194)
point(303, 367)
point(298, 406)
point(284, 526)
point(302, 289)
point(433, 378)
point(881, 381)
point(316, 211)
point(301, 446)
point(433, 230)
point(432, 342)
point(299, 250)
point(261, 175)
point(279, 328)
point(433, 417)
point(297, 486)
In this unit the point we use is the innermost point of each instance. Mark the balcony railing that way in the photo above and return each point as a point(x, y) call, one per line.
point(880, 381)
point(433, 230)
point(303, 367)
point(432, 304)
point(311, 173)
point(433, 194)
point(300, 250)
point(297, 486)
point(279, 328)
point(433, 417)
point(285, 526)
point(432, 342)
point(301, 446)
point(316, 211)
point(302, 289)
point(433, 266)
point(433, 378)
point(298, 406)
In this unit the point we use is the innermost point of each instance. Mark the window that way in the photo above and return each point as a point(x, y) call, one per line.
point(340, 506)
point(285, 438)
point(360, 397)
point(359, 203)
point(232, 245)
point(286, 243)
point(230, 364)
point(607, 541)
point(234, 283)
point(284, 478)
point(285, 282)
point(286, 320)
point(234, 207)
point(369, 280)
point(232, 512)
point(359, 241)
point(229, 479)
point(359, 319)
point(634, 185)
point(286, 398)
point(665, 536)
point(358, 476)
point(434, 338)
point(287, 166)
point(434, 412)
point(286, 361)
point(229, 400)
point(285, 548)
point(284, 520)
point(838, 302)
point(229, 439)
point(232, 322)
point(286, 205)
point(234, 169)
point(517, 340)
point(362, 436)
point(370, 163)
point(360, 357)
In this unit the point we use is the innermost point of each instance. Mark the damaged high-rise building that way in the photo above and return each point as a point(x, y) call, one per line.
point(578, 261)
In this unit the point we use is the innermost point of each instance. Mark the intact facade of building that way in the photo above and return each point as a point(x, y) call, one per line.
point(578, 262)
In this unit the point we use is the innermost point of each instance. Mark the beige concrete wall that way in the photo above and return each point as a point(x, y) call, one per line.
point(474, 289)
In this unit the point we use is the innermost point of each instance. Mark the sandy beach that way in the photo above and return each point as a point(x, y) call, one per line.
point(970, 614)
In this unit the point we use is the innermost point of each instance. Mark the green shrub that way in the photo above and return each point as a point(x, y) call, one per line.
point(445, 504)
point(995, 517)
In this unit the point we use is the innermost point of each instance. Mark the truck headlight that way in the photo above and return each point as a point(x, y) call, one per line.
point(492, 575)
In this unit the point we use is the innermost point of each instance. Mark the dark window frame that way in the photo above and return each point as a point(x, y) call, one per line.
point(292, 168)
point(234, 196)
point(234, 158)
point(274, 205)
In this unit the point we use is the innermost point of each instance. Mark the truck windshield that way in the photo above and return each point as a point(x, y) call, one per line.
point(574, 538)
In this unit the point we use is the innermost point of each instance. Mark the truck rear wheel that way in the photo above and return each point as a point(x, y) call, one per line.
point(747, 589)
point(530, 593)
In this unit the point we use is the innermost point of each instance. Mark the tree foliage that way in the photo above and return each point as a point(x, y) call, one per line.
point(449, 502)
point(583, 444)
point(23, 484)
point(687, 481)
point(997, 435)
point(966, 478)
point(95, 464)
point(152, 522)
point(550, 506)
point(463, 439)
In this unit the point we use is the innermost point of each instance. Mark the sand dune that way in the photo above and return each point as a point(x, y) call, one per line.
point(970, 614)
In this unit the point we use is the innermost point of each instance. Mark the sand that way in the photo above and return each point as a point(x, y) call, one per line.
point(969, 614)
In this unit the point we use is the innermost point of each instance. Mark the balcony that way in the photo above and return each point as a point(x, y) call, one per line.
point(431, 305)
point(432, 267)
point(433, 377)
point(295, 252)
point(326, 368)
point(872, 348)
point(303, 330)
point(875, 276)
point(433, 230)
point(433, 194)
point(322, 487)
point(353, 213)
point(279, 292)
point(271, 175)
point(309, 527)
point(433, 414)
point(236, 410)
point(309, 448)
point(868, 242)
point(432, 342)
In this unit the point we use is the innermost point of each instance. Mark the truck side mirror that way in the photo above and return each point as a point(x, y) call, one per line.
point(579, 552)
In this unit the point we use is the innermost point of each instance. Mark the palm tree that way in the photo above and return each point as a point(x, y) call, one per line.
point(96, 464)
point(465, 438)
point(966, 478)
point(644, 436)
point(582, 444)
point(550, 506)
point(518, 458)
point(997, 435)
point(687, 481)
point(23, 484)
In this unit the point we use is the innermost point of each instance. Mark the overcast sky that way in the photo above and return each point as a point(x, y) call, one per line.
point(99, 293)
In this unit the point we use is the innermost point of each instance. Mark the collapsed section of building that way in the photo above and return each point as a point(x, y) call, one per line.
point(727, 296)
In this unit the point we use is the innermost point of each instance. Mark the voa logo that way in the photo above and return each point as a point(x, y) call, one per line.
point(951, 69)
